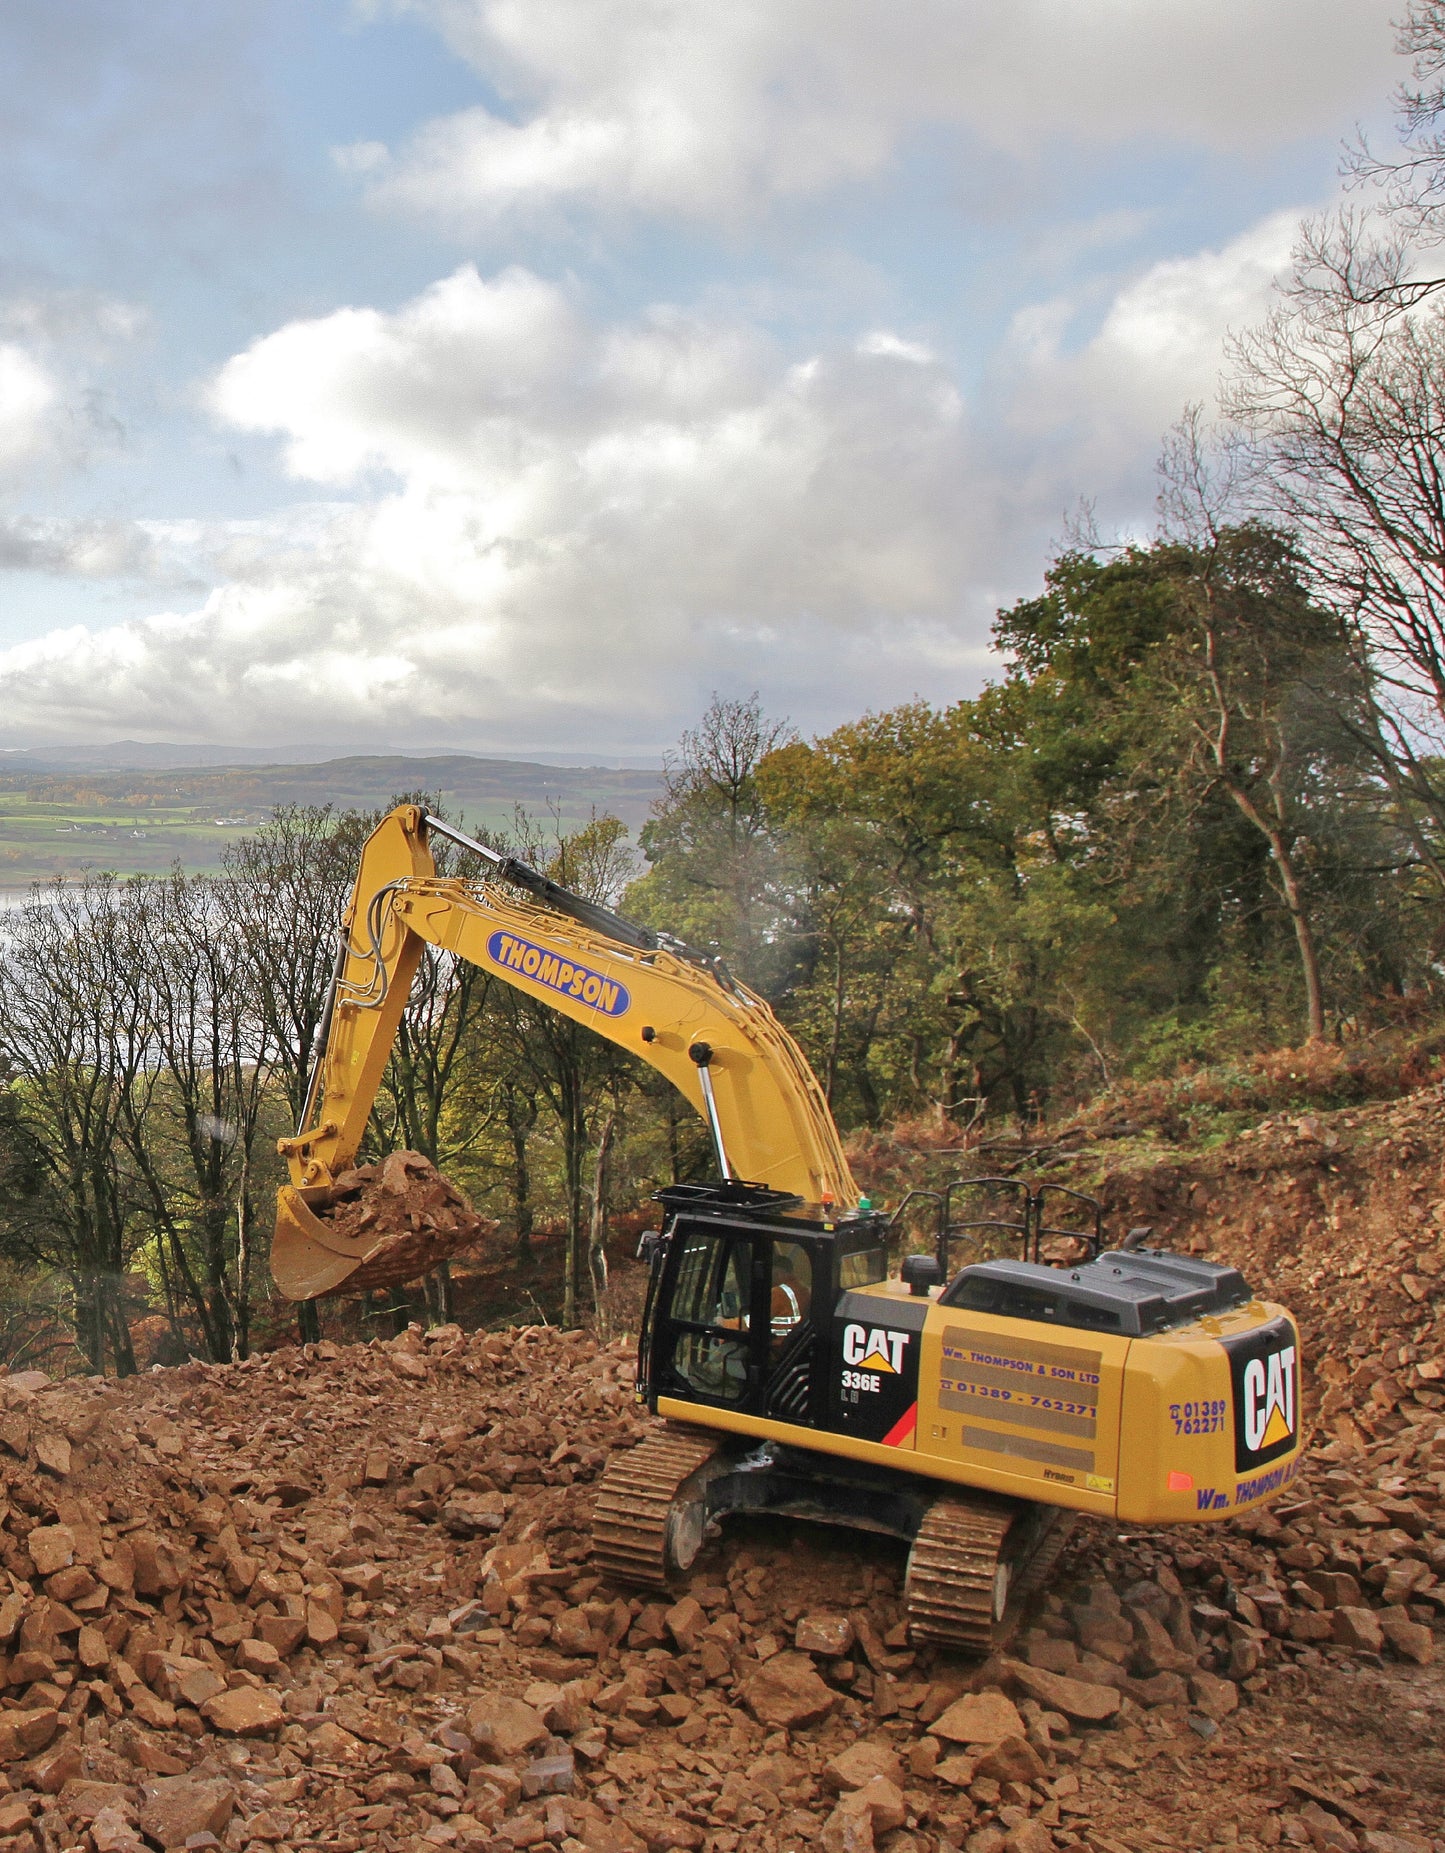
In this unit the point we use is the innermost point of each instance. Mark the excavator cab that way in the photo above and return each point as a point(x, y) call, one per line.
point(743, 1290)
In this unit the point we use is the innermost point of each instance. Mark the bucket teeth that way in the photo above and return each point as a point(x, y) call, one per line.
point(630, 1521)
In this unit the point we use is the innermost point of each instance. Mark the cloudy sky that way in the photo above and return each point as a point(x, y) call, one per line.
point(512, 374)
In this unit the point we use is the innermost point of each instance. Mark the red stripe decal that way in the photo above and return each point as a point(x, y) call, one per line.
point(902, 1429)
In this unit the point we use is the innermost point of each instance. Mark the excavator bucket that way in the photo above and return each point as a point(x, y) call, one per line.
point(308, 1256)
point(377, 1226)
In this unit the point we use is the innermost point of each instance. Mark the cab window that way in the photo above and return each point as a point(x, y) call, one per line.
point(711, 1303)
point(714, 1282)
point(865, 1267)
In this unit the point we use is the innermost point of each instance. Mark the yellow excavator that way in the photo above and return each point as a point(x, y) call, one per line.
point(971, 1412)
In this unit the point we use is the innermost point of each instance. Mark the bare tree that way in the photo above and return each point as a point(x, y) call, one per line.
point(142, 1080)
point(449, 999)
point(597, 1240)
point(1411, 184)
point(709, 837)
point(74, 1035)
point(719, 756)
point(519, 1107)
point(1343, 397)
point(192, 1136)
point(285, 886)
point(570, 1068)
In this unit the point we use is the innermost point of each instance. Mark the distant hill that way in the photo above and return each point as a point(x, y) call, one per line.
point(128, 755)
point(56, 821)
point(161, 756)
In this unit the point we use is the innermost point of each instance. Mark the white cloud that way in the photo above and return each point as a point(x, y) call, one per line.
point(694, 108)
point(559, 529)
point(27, 399)
point(81, 549)
point(84, 323)
point(542, 532)
point(410, 393)
point(53, 345)
point(1088, 414)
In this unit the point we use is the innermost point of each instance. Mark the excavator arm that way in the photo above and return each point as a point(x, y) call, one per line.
point(717, 1042)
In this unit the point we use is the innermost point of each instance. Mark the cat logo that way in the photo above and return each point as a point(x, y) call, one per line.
point(1264, 1365)
point(874, 1350)
point(1269, 1399)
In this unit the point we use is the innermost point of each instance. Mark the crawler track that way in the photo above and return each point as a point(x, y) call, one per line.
point(974, 1560)
point(644, 1526)
point(973, 1563)
point(1036, 1569)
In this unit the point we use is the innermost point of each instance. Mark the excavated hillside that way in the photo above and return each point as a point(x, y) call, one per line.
point(341, 1598)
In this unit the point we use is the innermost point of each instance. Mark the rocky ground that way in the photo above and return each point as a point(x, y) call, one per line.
point(342, 1599)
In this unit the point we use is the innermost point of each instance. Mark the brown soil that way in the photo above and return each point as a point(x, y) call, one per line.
point(342, 1598)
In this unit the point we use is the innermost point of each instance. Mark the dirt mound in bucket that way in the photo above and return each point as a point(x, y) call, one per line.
point(408, 1207)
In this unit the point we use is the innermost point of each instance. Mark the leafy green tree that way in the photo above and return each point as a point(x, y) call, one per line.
point(920, 844)
point(1217, 678)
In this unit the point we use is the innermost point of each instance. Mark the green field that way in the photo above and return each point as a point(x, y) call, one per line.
point(68, 824)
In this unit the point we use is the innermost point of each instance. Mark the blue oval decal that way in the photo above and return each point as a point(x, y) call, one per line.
point(559, 974)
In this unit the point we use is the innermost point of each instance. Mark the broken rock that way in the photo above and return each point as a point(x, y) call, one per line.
point(410, 1215)
point(786, 1692)
point(14, 1815)
point(685, 1622)
point(110, 1832)
point(829, 1635)
point(503, 1727)
point(981, 1718)
point(52, 1548)
point(1326, 1831)
point(1215, 1697)
point(856, 1766)
point(82, 1801)
point(1075, 1698)
point(1359, 1629)
point(862, 1814)
point(1029, 1836)
point(176, 1807)
point(1013, 1760)
point(665, 1833)
point(1411, 1640)
point(52, 1452)
point(23, 1732)
point(248, 1711)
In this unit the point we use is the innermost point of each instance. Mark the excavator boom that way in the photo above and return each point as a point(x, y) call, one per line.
point(715, 1040)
